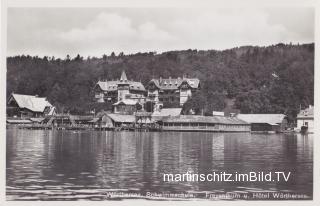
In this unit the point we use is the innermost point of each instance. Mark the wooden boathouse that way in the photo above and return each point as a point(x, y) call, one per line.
point(204, 123)
point(265, 123)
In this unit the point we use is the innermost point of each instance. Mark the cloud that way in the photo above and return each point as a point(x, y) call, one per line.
point(104, 26)
point(114, 32)
point(228, 29)
point(91, 33)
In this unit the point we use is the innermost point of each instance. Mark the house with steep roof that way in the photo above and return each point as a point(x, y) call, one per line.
point(114, 91)
point(265, 122)
point(172, 91)
point(305, 120)
point(27, 106)
point(126, 106)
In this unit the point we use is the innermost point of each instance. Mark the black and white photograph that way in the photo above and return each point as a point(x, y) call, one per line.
point(169, 103)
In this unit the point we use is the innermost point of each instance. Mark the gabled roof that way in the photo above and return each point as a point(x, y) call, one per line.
point(175, 83)
point(33, 103)
point(272, 119)
point(204, 119)
point(108, 85)
point(113, 85)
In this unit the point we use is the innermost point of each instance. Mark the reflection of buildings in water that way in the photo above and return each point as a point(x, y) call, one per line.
point(155, 151)
point(304, 164)
point(289, 148)
point(217, 151)
point(108, 158)
point(26, 154)
point(72, 153)
point(168, 154)
point(150, 158)
point(231, 150)
point(181, 151)
point(304, 147)
point(127, 163)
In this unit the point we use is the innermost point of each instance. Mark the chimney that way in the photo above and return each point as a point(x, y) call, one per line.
point(160, 79)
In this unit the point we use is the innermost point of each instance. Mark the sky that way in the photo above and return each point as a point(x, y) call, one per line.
point(97, 31)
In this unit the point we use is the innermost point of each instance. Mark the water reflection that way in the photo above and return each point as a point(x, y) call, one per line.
point(58, 165)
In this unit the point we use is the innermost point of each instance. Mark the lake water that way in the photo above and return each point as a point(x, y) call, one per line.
point(90, 165)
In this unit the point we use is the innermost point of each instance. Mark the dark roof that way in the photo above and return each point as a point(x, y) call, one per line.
point(203, 119)
point(175, 83)
point(82, 117)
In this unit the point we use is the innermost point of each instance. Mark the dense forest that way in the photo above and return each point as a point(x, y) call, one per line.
point(272, 79)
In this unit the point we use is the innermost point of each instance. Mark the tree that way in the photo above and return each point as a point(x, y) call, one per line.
point(243, 74)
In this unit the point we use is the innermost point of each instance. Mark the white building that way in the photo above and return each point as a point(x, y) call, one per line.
point(305, 120)
point(114, 91)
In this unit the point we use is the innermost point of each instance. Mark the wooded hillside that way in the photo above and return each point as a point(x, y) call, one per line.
point(273, 79)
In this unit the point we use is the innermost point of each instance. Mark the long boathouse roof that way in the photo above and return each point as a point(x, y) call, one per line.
point(272, 119)
point(204, 119)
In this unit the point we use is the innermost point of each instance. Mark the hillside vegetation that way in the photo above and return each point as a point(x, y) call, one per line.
point(273, 79)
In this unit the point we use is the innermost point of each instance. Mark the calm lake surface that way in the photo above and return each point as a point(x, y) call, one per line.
point(87, 165)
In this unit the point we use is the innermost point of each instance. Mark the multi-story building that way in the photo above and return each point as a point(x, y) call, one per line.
point(114, 91)
point(172, 91)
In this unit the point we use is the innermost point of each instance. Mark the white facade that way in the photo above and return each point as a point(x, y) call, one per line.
point(153, 95)
point(123, 92)
point(305, 120)
point(185, 94)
